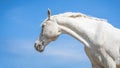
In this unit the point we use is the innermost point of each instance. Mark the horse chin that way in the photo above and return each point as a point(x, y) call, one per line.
point(40, 50)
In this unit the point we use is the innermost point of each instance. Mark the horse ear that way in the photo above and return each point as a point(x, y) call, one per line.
point(49, 13)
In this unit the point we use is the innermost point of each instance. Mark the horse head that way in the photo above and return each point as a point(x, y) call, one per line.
point(50, 32)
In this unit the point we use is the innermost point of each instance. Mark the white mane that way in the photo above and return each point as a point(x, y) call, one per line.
point(78, 15)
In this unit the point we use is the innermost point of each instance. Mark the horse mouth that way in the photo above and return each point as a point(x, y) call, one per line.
point(40, 50)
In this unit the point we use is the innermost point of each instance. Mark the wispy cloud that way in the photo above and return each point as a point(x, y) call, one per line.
point(22, 50)
point(21, 46)
point(66, 54)
point(26, 47)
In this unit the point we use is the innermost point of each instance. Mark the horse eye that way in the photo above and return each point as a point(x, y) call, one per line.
point(43, 26)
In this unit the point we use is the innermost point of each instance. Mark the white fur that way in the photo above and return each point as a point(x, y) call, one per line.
point(101, 40)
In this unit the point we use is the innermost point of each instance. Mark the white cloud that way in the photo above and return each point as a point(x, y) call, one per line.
point(22, 47)
point(65, 53)
point(26, 47)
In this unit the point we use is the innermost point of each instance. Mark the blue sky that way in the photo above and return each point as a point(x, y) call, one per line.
point(20, 26)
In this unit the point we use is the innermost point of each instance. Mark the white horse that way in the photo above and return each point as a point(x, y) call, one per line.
point(101, 40)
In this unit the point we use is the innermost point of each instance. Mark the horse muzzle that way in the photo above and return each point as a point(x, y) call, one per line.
point(39, 47)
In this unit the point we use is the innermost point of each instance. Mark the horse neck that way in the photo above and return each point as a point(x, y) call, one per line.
point(79, 29)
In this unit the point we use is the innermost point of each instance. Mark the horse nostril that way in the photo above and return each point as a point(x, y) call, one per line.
point(39, 46)
point(42, 43)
